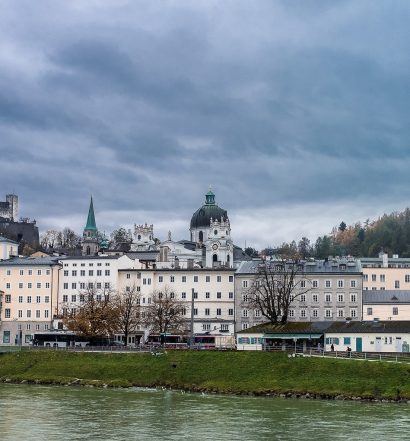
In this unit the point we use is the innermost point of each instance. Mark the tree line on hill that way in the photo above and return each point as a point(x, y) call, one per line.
point(390, 233)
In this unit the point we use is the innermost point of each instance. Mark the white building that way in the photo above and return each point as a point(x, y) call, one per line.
point(8, 248)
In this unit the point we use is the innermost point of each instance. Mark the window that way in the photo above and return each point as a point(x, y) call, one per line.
point(8, 285)
point(20, 285)
point(206, 326)
point(218, 311)
point(28, 337)
point(107, 264)
point(353, 313)
point(7, 313)
point(218, 295)
point(195, 295)
point(245, 297)
point(353, 284)
point(195, 311)
point(82, 285)
point(73, 298)
point(397, 284)
point(28, 299)
point(28, 313)
point(91, 273)
point(219, 278)
point(315, 298)
point(340, 298)
point(328, 297)
point(346, 340)
point(38, 285)
point(303, 313)
point(48, 285)
point(230, 311)
point(195, 278)
point(30, 272)
point(303, 298)
point(340, 283)
point(20, 299)
point(6, 336)
point(183, 279)
point(28, 326)
point(8, 272)
point(47, 299)
point(303, 283)
point(244, 283)
point(74, 286)
point(82, 273)
point(315, 313)
point(395, 310)
point(407, 278)
point(38, 299)
point(257, 313)
point(315, 283)
point(107, 284)
point(48, 272)
point(373, 277)
point(99, 273)
point(207, 278)
point(353, 298)
point(65, 285)
point(328, 283)
point(65, 298)
point(245, 326)
point(20, 313)
point(65, 273)
point(207, 311)
point(183, 295)
point(231, 278)
point(29, 285)
point(244, 313)
point(328, 313)
point(172, 279)
point(38, 312)
point(291, 313)
point(207, 295)
point(160, 278)
point(340, 312)
point(383, 278)
point(39, 272)
point(107, 272)
point(231, 295)
point(74, 273)
point(224, 327)
point(7, 298)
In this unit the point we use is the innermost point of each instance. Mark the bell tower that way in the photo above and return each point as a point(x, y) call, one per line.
point(219, 246)
point(90, 234)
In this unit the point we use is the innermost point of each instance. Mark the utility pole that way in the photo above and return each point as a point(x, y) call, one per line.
point(192, 319)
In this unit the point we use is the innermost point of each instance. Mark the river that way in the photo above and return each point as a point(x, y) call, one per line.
point(30, 412)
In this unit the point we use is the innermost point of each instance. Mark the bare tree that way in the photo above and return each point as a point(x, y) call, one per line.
point(127, 311)
point(95, 314)
point(166, 313)
point(276, 286)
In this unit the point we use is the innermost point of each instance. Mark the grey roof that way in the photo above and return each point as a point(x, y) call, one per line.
point(390, 260)
point(239, 254)
point(88, 257)
point(31, 261)
point(290, 327)
point(4, 239)
point(143, 255)
point(373, 327)
point(380, 297)
point(309, 267)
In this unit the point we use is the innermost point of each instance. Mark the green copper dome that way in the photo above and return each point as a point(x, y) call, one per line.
point(202, 217)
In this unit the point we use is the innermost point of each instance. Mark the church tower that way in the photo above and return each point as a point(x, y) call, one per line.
point(90, 234)
point(219, 245)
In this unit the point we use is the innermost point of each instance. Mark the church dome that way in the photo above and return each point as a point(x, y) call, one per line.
point(202, 217)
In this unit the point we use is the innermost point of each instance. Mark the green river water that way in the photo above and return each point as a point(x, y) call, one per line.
point(30, 412)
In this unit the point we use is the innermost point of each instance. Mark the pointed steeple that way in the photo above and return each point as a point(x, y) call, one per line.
point(91, 218)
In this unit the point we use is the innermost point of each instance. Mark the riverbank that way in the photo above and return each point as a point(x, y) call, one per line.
point(251, 373)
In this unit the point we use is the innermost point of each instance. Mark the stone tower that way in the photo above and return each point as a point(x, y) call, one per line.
point(90, 235)
point(219, 246)
point(144, 237)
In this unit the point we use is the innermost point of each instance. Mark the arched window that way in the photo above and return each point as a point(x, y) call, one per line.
point(228, 259)
point(88, 251)
point(214, 258)
point(215, 232)
point(201, 236)
point(139, 236)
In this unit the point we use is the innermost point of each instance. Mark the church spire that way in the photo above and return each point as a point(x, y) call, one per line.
point(91, 218)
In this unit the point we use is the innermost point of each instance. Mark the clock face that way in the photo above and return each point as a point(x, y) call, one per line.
point(214, 246)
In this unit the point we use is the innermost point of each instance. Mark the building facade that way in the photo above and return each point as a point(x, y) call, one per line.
point(29, 289)
point(334, 292)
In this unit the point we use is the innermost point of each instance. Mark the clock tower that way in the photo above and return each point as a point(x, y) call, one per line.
point(219, 246)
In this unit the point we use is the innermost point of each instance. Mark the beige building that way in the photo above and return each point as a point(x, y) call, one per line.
point(386, 273)
point(213, 291)
point(29, 289)
point(386, 305)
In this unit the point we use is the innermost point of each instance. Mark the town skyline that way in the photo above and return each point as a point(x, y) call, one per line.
point(295, 113)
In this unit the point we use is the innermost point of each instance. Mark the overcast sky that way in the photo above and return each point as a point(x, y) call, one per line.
point(297, 112)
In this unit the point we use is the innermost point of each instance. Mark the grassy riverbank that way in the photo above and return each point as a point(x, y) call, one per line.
point(231, 372)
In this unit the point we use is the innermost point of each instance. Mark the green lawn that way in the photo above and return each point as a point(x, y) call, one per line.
point(236, 372)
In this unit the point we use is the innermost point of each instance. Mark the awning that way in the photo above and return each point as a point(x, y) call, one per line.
point(292, 336)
